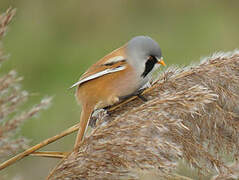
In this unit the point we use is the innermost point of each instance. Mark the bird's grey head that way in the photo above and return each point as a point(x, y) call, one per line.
point(139, 49)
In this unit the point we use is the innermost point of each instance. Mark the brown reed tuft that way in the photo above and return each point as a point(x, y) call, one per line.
point(192, 113)
point(12, 97)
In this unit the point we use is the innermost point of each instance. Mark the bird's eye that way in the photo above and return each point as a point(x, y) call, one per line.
point(152, 58)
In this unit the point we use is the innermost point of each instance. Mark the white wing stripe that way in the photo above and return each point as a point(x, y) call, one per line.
point(101, 73)
point(115, 59)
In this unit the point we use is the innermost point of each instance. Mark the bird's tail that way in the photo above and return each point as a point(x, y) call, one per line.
point(84, 121)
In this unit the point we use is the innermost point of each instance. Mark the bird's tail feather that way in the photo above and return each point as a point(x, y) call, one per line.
point(84, 121)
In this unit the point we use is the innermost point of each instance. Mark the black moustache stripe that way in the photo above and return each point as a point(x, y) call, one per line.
point(149, 65)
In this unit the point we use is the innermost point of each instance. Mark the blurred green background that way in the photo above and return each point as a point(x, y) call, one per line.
point(53, 42)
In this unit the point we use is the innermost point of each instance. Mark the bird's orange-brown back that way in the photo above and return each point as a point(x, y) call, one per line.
point(98, 66)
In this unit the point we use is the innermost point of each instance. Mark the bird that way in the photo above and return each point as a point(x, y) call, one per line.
point(119, 74)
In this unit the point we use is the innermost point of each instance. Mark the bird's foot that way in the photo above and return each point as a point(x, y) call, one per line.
point(140, 96)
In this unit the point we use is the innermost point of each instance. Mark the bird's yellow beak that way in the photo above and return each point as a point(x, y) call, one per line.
point(160, 61)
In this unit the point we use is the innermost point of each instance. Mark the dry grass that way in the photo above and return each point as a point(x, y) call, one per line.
point(12, 98)
point(192, 113)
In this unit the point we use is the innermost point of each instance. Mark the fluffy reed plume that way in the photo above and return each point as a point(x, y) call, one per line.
point(192, 113)
point(11, 99)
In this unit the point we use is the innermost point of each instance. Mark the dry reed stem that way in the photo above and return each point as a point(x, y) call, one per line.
point(52, 154)
point(193, 114)
point(36, 147)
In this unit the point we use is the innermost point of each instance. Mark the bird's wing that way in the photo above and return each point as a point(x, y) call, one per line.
point(101, 68)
